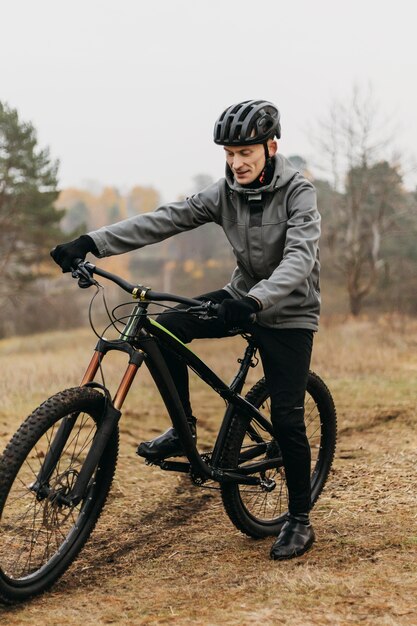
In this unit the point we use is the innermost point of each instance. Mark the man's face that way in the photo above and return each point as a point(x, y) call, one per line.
point(247, 162)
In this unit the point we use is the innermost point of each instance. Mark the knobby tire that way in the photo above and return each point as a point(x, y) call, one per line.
point(39, 538)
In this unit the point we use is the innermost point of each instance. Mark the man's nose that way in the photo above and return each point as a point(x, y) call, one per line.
point(237, 162)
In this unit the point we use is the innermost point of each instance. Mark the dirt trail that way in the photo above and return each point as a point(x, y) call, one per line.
point(164, 551)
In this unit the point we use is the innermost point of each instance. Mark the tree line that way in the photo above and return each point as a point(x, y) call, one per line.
point(368, 250)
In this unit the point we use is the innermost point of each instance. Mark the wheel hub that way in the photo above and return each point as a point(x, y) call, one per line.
point(55, 511)
point(268, 484)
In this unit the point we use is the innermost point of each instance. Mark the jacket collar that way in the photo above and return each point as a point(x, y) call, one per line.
point(283, 173)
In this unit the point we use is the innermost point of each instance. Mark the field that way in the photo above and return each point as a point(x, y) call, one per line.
point(164, 551)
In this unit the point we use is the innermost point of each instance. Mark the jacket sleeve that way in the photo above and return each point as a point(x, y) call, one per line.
point(300, 250)
point(169, 219)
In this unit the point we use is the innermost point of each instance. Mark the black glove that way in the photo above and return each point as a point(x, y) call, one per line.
point(66, 253)
point(238, 311)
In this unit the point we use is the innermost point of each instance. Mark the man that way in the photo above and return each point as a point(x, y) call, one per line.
point(268, 212)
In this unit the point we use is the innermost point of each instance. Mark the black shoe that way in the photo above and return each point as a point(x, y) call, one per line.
point(166, 445)
point(295, 538)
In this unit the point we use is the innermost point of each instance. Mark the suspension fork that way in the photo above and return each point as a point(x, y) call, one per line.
point(110, 418)
point(62, 434)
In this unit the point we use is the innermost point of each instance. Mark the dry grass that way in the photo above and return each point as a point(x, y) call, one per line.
point(164, 552)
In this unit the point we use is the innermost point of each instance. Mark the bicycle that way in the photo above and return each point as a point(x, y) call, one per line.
point(57, 470)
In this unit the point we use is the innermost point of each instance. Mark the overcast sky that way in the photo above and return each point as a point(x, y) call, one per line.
point(127, 92)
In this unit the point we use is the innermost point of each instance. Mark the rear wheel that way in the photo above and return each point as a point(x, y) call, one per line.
point(259, 511)
point(40, 533)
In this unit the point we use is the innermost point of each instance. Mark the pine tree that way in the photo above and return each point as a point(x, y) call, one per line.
point(29, 221)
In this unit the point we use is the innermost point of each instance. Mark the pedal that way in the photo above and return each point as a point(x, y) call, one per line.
point(175, 466)
point(169, 466)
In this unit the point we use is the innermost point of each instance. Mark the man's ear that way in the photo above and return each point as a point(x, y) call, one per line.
point(272, 147)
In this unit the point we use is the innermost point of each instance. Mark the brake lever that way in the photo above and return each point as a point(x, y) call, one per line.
point(85, 279)
point(207, 310)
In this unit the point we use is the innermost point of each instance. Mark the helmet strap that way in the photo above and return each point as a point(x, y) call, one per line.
point(267, 157)
point(267, 162)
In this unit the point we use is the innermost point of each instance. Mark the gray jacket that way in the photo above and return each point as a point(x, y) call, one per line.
point(276, 249)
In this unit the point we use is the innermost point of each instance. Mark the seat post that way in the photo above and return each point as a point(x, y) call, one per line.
point(249, 360)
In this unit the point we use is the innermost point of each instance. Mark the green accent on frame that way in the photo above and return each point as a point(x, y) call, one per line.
point(155, 323)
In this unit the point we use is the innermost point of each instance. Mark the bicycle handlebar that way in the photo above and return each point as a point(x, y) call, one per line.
point(84, 270)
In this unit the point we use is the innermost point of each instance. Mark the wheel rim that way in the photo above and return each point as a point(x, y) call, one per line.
point(36, 530)
point(313, 424)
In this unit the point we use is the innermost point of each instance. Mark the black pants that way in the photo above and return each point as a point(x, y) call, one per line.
point(285, 355)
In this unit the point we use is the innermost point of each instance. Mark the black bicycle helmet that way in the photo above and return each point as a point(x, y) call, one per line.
point(247, 123)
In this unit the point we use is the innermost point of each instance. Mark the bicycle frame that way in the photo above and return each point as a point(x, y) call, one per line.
point(144, 347)
point(140, 341)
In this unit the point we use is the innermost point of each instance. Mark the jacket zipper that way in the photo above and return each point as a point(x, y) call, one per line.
point(247, 224)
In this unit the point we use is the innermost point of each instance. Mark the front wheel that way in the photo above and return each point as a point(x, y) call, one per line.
point(258, 510)
point(40, 532)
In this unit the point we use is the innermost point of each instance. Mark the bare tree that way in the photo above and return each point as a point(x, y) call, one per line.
point(354, 146)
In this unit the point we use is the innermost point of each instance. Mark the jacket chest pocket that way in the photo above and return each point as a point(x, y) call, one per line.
point(273, 241)
point(265, 248)
point(274, 230)
point(236, 234)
